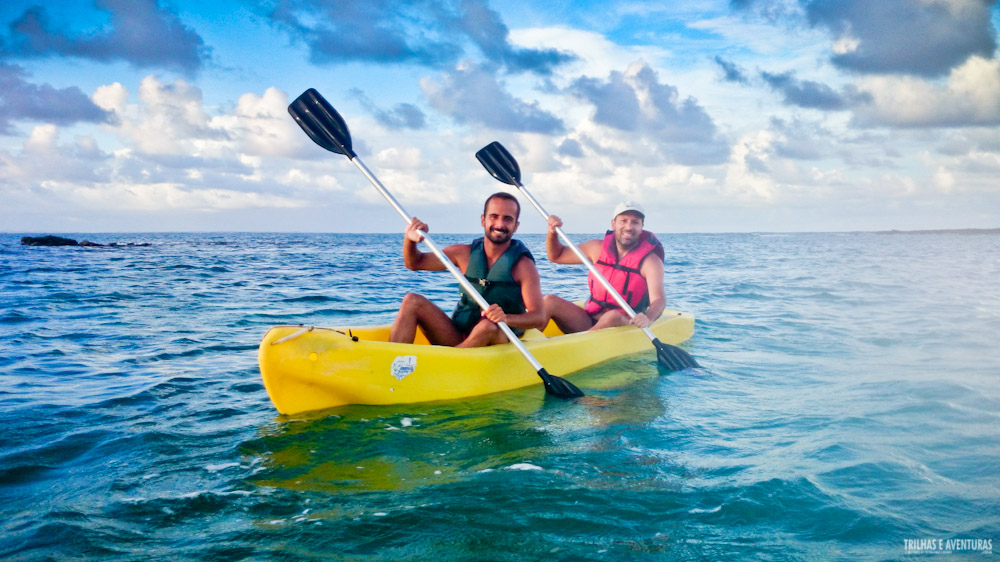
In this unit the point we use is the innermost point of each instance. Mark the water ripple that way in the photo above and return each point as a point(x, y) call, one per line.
point(849, 399)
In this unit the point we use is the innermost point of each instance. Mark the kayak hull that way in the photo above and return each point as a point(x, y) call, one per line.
point(306, 368)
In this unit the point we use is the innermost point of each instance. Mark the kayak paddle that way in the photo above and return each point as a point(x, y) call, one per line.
point(327, 128)
point(502, 166)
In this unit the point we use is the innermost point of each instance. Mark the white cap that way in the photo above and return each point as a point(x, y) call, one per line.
point(626, 206)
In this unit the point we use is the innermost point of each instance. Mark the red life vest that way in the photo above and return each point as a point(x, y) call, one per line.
point(624, 275)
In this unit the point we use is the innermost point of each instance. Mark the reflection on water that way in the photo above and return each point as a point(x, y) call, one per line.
point(354, 449)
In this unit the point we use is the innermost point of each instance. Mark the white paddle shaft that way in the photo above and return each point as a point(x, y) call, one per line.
point(579, 253)
point(459, 276)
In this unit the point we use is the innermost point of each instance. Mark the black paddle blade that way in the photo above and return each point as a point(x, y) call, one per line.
point(672, 357)
point(559, 387)
point(322, 122)
point(499, 163)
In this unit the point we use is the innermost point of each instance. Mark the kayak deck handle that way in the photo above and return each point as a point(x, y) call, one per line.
point(294, 335)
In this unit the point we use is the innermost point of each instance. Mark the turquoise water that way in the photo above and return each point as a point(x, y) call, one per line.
point(849, 401)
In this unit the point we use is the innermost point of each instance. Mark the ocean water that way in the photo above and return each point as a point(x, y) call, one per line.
point(848, 407)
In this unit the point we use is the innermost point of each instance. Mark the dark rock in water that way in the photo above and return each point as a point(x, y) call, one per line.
point(47, 241)
point(50, 240)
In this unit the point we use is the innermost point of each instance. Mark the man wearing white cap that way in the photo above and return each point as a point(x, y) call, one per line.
point(630, 258)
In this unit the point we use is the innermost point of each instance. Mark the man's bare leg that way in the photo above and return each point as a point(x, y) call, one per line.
point(610, 319)
point(567, 315)
point(417, 310)
point(484, 333)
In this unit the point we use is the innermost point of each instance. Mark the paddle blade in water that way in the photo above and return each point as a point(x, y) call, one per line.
point(559, 387)
point(672, 357)
point(322, 122)
point(499, 163)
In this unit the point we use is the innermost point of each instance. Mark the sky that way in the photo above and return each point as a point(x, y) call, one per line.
point(716, 116)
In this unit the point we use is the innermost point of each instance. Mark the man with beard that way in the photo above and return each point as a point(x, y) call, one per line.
point(630, 258)
point(499, 267)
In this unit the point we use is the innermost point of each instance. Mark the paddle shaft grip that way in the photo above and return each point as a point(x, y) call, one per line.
point(459, 276)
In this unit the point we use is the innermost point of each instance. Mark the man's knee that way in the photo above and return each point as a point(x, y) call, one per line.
point(488, 332)
point(482, 334)
point(486, 328)
point(612, 319)
point(413, 301)
point(553, 303)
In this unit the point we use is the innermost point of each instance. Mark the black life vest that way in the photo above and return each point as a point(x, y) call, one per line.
point(497, 285)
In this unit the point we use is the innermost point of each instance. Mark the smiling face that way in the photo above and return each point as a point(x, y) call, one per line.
point(500, 220)
point(627, 228)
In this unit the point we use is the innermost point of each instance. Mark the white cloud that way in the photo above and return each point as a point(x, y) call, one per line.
point(846, 43)
point(763, 37)
point(42, 157)
point(400, 158)
point(944, 180)
point(172, 155)
point(111, 97)
point(158, 197)
point(42, 139)
point(167, 120)
point(474, 95)
point(970, 97)
point(174, 149)
point(747, 174)
point(261, 126)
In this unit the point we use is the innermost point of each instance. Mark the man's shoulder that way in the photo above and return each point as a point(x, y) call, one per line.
point(521, 247)
point(459, 250)
point(592, 248)
point(525, 263)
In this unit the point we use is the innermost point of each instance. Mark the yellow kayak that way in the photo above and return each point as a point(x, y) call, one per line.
point(309, 368)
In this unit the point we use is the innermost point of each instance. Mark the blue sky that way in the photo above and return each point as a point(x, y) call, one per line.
point(718, 116)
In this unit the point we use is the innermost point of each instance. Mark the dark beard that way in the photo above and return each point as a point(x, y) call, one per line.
point(498, 237)
point(635, 243)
